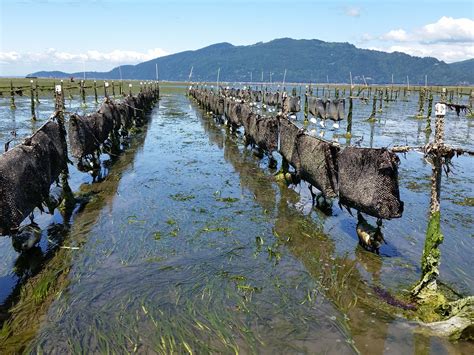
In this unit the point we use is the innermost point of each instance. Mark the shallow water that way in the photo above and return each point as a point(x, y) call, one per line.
point(190, 243)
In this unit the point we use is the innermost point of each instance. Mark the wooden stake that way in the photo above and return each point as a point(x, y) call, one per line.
point(12, 96)
point(32, 95)
point(431, 258)
point(37, 92)
point(95, 92)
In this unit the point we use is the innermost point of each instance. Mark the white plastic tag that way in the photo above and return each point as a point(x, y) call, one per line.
point(440, 109)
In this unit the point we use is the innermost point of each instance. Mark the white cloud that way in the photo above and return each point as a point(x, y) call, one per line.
point(113, 57)
point(448, 29)
point(9, 56)
point(399, 35)
point(449, 39)
point(446, 52)
point(352, 11)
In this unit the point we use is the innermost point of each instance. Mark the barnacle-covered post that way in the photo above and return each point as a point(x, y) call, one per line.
point(428, 115)
point(106, 85)
point(305, 111)
point(83, 93)
point(471, 103)
point(421, 102)
point(349, 117)
point(68, 197)
point(95, 92)
point(431, 254)
point(374, 108)
point(380, 100)
point(37, 92)
point(12, 96)
point(32, 96)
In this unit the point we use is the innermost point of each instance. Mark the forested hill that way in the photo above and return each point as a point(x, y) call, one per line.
point(304, 60)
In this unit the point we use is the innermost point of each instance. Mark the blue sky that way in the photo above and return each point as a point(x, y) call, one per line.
point(99, 35)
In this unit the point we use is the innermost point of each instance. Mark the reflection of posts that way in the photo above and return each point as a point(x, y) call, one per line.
point(431, 254)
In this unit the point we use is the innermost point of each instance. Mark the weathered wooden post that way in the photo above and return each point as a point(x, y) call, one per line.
point(62, 94)
point(421, 102)
point(12, 96)
point(95, 92)
point(374, 108)
point(106, 85)
point(380, 100)
point(349, 115)
point(37, 92)
point(83, 93)
point(430, 260)
point(32, 96)
point(305, 110)
point(349, 119)
point(113, 89)
point(428, 115)
point(130, 89)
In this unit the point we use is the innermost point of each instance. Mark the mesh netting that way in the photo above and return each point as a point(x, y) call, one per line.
point(294, 104)
point(288, 135)
point(267, 133)
point(368, 181)
point(87, 133)
point(336, 109)
point(317, 107)
point(27, 172)
point(252, 133)
point(318, 164)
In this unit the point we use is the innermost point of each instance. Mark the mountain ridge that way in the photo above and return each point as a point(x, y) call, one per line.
point(305, 60)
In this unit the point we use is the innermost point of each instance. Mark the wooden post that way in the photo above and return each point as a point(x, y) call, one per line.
point(95, 92)
point(12, 96)
point(32, 95)
point(113, 89)
point(428, 116)
point(374, 107)
point(106, 85)
point(421, 102)
point(349, 119)
point(431, 258)
point(305, 110)
point(83, 93)
point(381, 99)
point(130, 89)
point(62, 94)
point(37, 92)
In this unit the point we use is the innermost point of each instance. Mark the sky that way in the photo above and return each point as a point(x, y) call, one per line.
point(77, 35)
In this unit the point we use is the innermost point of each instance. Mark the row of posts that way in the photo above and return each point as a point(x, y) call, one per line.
point(34, 93)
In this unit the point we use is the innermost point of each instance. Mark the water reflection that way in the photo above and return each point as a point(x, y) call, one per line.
point(365, 305)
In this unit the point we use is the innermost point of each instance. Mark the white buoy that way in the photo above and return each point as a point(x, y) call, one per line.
point(313, 120)
point(335, 125)
point(322, 124)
